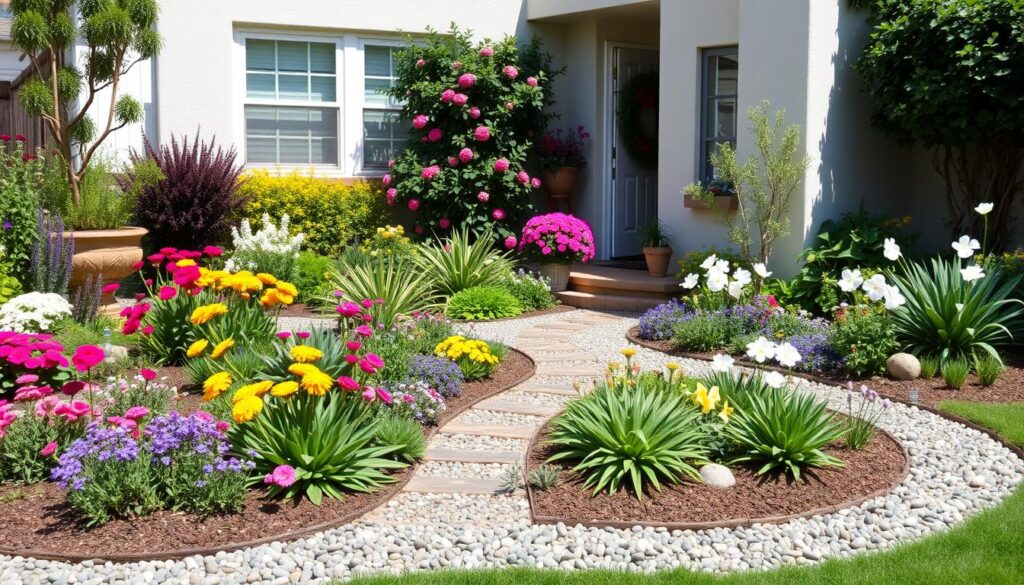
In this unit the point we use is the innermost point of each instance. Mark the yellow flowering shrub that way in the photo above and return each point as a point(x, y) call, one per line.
point(389, 240)
point(330, 213)
point(474, 356)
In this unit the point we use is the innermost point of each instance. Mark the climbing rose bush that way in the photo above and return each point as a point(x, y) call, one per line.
point(473, 111)
point(557, 238)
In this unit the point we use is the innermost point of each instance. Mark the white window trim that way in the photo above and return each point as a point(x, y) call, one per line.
point(703, 97)
point(349, 98)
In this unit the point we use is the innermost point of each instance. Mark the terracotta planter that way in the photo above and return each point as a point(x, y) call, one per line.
point(561, 182)
point(724, 202)
point(657, 260)
point(557, 274)
point(108, 254)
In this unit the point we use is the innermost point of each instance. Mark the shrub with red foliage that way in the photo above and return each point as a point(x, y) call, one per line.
point(197, 197)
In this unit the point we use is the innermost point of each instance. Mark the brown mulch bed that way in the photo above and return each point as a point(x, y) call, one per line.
point(37, 518)
point(875, 469)
point(302, 310)
point(1008, 388)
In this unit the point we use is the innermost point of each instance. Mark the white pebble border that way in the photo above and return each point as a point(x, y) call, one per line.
point(954, 473)
point(477, 442)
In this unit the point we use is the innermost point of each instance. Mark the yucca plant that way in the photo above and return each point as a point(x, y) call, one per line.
point(949, 317)
point(736, 388)
point(784, 430)
point(629, 437)
point(396, 281)
point(457, 263)
point(331, 441)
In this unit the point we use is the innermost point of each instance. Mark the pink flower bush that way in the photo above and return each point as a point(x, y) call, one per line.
point(465, 155)
point(419, 121)
point(482, 134)
point(466, 80)
point(474, 112)
point(460, 99)
point(435, 134)
point(558, 238)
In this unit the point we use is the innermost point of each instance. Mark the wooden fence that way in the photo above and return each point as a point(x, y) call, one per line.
point(14, 120)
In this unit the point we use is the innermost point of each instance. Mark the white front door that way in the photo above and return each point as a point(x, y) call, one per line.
point(634, 193)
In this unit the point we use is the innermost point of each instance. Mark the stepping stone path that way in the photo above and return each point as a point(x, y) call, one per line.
point(516, 413)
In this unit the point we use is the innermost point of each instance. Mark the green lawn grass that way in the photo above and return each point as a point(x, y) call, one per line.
point(1005, 419)
point(988, 549)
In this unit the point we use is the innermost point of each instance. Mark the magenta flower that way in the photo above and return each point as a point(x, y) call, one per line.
point(348, 384)
point(460, 99)
point(49, 449)
point(531, 81)
point(147, 374)
point(167, 293)
point(501, 165)
point(522, 177)
point(386, 179)
point(136, 412)
point(447, 95)
point(45, 406)
point(369, 394)
point(384, 396)
point(72, 411)
point(498, 214)
point(353, 345)
point(444, 223)
point(110, 288)
point(213, 251)
point(86, 356)
point(284, 334)
point(535, 183)
point(474, 112)
point(391, 195)
point(282, 476)
point(419, 121)
point(483, 196)
point(26, 379)
point(511, 71)
point(414, 204)
point(482, 134)
point(465, 155)
point(510, 242)
point(73, 387)
point(302, 334)
point(435, 134)
point(364, 331)
point(348, 309)
point(486, 51)
point(466, 80)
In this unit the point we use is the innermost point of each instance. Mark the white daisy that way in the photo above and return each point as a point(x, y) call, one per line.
point(761, 350)
point(722, 363)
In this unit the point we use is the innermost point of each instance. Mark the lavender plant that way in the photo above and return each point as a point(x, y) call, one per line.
point(656, 324)
point(860, 426)
point(85, 302)
point(442, 374)
point(50, 267)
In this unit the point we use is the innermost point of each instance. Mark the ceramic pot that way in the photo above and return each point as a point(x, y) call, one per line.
point(557, 274)
point(107, 254)
point(657, 260)
point(561, 182)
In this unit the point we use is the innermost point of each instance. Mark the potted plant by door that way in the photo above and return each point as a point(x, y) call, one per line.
point(556, 240)
point(561, 157)
point(657, 248)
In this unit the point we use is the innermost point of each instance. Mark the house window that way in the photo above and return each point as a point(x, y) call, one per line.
point(291, 109)
point(720, 76)
point(383, 134)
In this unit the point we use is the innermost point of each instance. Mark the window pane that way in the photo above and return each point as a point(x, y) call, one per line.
point(294, 150)
point(260, 121)
point(260, 85)
point(324, 151)
point(291, 135)
point(322, 89)
point(728, 71)
point(376, 154)
point(321, 57)
point(721, 120)
point(323, 123)
point(372, 87)
point(293, 87)
point(260, 150)
point(292, 56)
point(378, 61)
point(375, 124)
point(259, 54)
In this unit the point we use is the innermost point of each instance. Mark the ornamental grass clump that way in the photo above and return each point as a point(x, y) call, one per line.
point(557, 238)
point(482, 303)
point(457, 263)
point(861, 424)
point(394, 429)
point(955, 372)
point(475, 357)
point(174, 462)
point(987, 368)
point(402, 289)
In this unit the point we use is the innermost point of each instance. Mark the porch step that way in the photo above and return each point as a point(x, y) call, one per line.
point(609, 302)
point(622, 282)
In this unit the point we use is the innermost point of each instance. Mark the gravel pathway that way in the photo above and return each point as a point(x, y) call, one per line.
point(954, 473)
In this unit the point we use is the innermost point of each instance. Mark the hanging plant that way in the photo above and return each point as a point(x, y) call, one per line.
point(637, 96)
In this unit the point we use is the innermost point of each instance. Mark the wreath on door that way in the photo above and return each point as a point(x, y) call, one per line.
point(637, 96)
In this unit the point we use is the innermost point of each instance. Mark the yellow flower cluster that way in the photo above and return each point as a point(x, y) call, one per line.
point(245, 284)
point(458, 347)
point(708, 399)
point(204, 314)
point(389, 240)
point(330, 213)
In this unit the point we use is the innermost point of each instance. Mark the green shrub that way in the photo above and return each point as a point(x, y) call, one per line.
point(988, 369)
point(330, 213)
point(458, 263)
point(313, 276)
point(545, 477)
point(637, 438)
point(405, 433)
point(395, 348)
point(955, 372)
point(73, 334)
point(10, 287)
point(403, 289)
point(704, 332)
point(865, 337)
point(929, 366)
point(735, 388)
point(481, 303)
point(533, 292)
point(949, 317)
point(25, 437)
point(784, 430)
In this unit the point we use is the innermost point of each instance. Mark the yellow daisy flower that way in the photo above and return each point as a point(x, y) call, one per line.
point(302, 369)
point(246, 409)
point(270, 298)
point(284, 389)
point(305, 354)
point(205, 313)
point(267, 279)
point(215, 385)
point(197, 348)
point(316, 383)
point(257, 389)
point(222, 348)
point(628, 352)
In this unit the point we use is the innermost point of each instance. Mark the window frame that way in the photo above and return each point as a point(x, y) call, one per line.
point(361, 169)
point(704, 141)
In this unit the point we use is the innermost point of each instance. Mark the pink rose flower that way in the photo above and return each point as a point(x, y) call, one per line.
point(483, 196)
point(498, 214)
point(531, 81)
point(414, 204)
point(511, 71)
point(435, 134)
point(465, 155)
point(501, 165)
point(386, 179)
point(466, 80)
point(430, 172)
point(474, 112)
point(453, 162)
point(420, 63)
point(535, 183)
point(49, 449)
point(482, 134)
point(444, 222)
point(486, 51)
point(419, 121)
point(522, 177)
point(391, 162)
point(510, 242)
point(282, 476)
point(447, 95)
point(390, 195)
point(460, 99)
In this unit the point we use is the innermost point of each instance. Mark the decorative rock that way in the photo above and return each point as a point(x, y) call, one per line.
point(903, 366)
point(717, 476)
point(115, 354)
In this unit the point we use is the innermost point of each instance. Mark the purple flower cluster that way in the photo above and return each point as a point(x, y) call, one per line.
point(99, 442)
point(816, 353)
point(442, 374)
point(657, 323)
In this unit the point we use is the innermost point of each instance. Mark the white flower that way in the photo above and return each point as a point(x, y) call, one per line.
point(775, 380)
point(851, 280)
point(972, 273)
point(894, 299)
point(717, 280)
point(966, 246)
point(762, 270)
point(760, 350)
point(33, 312)
point(875, 287)
point(722, 266)
point(691, 280)
point(984, 208)
point(742, 276)
point(709, 262)
point(787, 355)
point(735, 289)
point(722, 363)
point(891, 249)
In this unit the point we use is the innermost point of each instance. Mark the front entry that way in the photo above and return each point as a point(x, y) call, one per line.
point(634, 192)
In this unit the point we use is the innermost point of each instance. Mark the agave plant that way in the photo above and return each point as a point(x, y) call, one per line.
point(396, 281)
point(784, 429)
point(736, 388)
point(949, 317)
point(457, 263)
point(634, 437)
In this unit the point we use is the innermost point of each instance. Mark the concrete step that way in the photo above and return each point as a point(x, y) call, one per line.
point(452, 485)
point(500, 405)
point(488, 430)
point(473, 456)
point(584, 370)
point(608, 302)
point(621, 281)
